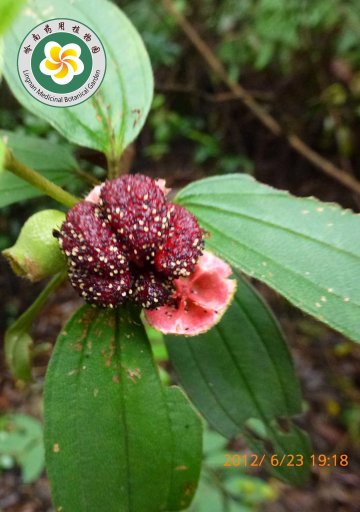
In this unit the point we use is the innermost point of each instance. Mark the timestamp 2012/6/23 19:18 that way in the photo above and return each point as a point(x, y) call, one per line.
point(285, 460)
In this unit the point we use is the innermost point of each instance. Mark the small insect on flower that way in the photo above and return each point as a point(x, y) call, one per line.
point(125, 242)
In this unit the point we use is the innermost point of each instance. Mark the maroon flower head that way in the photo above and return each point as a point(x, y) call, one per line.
point(90, 244)
point(135, 208)
point(129, 244)
point(152, 289)
point(182, 248)
point(101, 291)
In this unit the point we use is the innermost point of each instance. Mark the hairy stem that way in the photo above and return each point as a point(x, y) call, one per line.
point(18, 344)
point(35, 179)
point(113, 167)
point(87, 178)
point(24, 322)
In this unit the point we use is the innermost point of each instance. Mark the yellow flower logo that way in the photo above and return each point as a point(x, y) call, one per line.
point(62, 63)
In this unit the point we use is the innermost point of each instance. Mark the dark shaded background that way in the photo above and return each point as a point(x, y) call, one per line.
point(301, 60)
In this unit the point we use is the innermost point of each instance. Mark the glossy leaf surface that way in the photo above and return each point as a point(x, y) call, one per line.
point(307, 250)
point(113, 117)
point(241, 378)
point(111, 430)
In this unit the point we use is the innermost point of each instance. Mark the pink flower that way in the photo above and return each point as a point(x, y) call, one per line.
point(200, 300)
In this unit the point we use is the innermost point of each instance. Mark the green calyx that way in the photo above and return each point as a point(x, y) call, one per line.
point(36, 253)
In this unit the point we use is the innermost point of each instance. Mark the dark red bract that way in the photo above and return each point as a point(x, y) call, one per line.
point(180, 252)
point(152, 289)
point(129, 246)
point(135, 208)
point(89, 243)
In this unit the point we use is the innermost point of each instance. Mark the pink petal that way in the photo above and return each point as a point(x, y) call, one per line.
point(94, 194)
point(202, 298)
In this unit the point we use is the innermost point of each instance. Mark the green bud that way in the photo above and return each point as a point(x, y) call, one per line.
point(18, 352)
point(36, 254)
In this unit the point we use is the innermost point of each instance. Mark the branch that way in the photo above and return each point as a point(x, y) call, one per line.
point(213, 98)
point(270, 122)
point(24, 322)
point(35, 179)
point(88, 178)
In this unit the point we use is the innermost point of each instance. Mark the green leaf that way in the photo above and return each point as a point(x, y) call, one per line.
point(18, 350)
point(2, 151)
point(187, 455)
point(307, 250)
point(112, 432)
point(8, 11)
point(292, 447)
point(1, 58)
point(240, 372)
point(249, 489)
point(31, 427)
point(33, 463)
point(21, 437)
point(113, 118)
point(53, 161)
point(208, 499)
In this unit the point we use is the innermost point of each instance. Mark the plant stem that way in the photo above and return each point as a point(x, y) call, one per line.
point(88, 178)
point(114, 166)
point(18, 344)
point(35, 179)
point(24, 322)
point(111, 164)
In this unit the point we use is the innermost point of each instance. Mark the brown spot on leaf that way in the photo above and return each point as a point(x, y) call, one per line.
point(56, 448)
point(111, 321)
point(108, 357)
point(189, 488)
point(133, 374)
point(86, 319)
point(206, 234)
